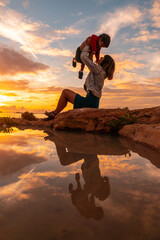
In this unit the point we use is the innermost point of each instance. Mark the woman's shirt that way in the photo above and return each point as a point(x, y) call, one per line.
point(95, 79)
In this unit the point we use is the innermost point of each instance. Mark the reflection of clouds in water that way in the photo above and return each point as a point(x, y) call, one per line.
point(12, 162)
point(27, 145)
point(13, 192)
point(7, 141)
point(36, 198)
point(116, 210)
point(23, 188)
point(151, 171)
point(113, 165)
point(139, 206)
point(140, 167)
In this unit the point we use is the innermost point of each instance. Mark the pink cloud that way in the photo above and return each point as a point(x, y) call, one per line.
point(12, 62)
point(155, 13)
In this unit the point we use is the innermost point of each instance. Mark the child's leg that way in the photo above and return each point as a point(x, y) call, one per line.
point(74, 64)
point(77, 177)
point(80, 74)
point(82, 67)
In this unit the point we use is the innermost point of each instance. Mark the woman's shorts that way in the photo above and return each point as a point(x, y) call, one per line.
point(90, 101)
point(78, 55)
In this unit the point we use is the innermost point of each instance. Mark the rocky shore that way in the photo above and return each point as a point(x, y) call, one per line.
point(140, 125)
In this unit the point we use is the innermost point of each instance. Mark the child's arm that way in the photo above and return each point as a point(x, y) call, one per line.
point(93, 67)
point(86, 42)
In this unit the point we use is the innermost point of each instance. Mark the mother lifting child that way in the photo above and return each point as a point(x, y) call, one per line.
point(104, 68)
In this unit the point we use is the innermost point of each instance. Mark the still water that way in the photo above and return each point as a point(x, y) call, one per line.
point(77, 186)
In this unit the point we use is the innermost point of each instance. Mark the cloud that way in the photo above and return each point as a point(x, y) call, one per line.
point(111, 23)
point(145, 36)
point(15, 163)
point(25, 4)
point(154, 80)
point(14, 85)
point(12, 109)
point(68, 31)
point(55, 52)
point(130, 89)
point(126, 68)
point(4, 2)
point(155, 13)
point(130, 95)
point(80, 13)
point(16, 27)
point(9, 94)
point(140, 88)
point(12, 62)
point(152, 61)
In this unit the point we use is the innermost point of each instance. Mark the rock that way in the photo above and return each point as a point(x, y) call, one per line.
point(103, 120)
point(142, 150)
point(145, 128)
point(22, 123)
point(147, 115)
point(143, 133)
point(88, 119)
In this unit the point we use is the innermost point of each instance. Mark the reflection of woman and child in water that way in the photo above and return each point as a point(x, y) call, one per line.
point(95, 185)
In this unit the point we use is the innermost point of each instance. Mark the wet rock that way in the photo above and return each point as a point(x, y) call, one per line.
point(143, 133)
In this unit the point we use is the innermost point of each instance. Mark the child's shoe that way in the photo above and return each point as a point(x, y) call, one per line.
point(77, 176)
point(74, 63)
point(80, 74)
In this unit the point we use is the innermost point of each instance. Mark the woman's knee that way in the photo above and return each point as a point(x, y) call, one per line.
point(65, 91)
point(69, 95)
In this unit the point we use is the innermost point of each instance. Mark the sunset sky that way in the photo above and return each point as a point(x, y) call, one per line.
point(38, 40)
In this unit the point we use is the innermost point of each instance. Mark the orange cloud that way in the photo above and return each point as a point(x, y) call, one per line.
point(14, 85)
point(9, 94)
point(13, 109)
point(131, 94)
point(68, 31)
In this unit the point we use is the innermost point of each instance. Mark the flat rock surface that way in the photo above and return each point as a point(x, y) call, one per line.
point(100, 120)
